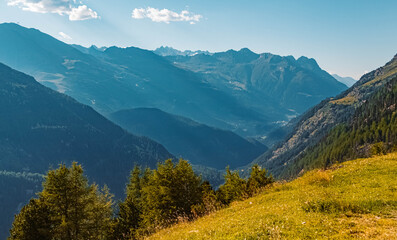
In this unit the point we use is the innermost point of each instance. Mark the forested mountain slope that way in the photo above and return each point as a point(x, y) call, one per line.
point(40, 128)
point(339, 128)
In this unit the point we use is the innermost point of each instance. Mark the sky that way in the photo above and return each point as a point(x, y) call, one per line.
point(346, 37)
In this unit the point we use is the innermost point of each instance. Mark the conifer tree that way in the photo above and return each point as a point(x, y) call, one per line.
point(68, 208)
point(209, 201)
point(233, 189)
point(170, 194)
point(32, 223)
point(257, 180)
point(129, 217)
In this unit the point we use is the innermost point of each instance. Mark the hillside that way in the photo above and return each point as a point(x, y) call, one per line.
point(353, 200)
point(355, 108)
point(183, 137)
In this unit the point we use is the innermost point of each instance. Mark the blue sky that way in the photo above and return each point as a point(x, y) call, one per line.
point(347, 37)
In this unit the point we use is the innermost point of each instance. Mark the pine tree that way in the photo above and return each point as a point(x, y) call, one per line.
point(257, 180)
point(32, 223)
point(170, 194)
point(73, 209)
point(233, 189)
point(129, 217)
point(209, 201)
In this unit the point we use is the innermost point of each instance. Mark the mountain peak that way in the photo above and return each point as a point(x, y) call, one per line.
point(170, 51)
point(308, 62)
point(101, 49)
point(246, 50)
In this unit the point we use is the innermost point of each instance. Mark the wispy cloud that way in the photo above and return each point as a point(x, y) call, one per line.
point(65, 36)
point(75, 11)
point(165, 15)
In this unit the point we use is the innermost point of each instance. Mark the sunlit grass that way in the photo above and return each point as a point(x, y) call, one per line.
point(355, 199)
point(348, 100)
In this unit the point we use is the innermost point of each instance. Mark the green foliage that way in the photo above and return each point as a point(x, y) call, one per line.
point(129, 217)
point(237, 188)
point(258, 179)
point(33, 222)
point(209, 202)
point(158, 198)
point(371, 131)
point(67, 208)
point(233, 189)
point(171, 192)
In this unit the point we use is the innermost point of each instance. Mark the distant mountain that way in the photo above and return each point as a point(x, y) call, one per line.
point(124, 78)
point(265, 79)
point(348, 81)
point(183, 137)
point(169, 51)
point(356, 123)
point(40, 128)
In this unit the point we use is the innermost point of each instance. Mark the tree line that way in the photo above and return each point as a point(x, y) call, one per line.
point(69, 208)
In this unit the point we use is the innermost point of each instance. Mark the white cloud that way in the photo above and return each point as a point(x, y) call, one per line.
point(76, 11)
point(65, 36)
point(165, 15)
point(82, 12)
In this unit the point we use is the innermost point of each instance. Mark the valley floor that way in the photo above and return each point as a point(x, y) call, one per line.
point(355, 199)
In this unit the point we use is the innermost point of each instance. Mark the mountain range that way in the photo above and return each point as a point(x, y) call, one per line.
point(139, 78)
point(244, 92)
point(265, 79)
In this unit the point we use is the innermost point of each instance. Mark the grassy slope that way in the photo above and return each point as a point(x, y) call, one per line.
point(356, 199)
